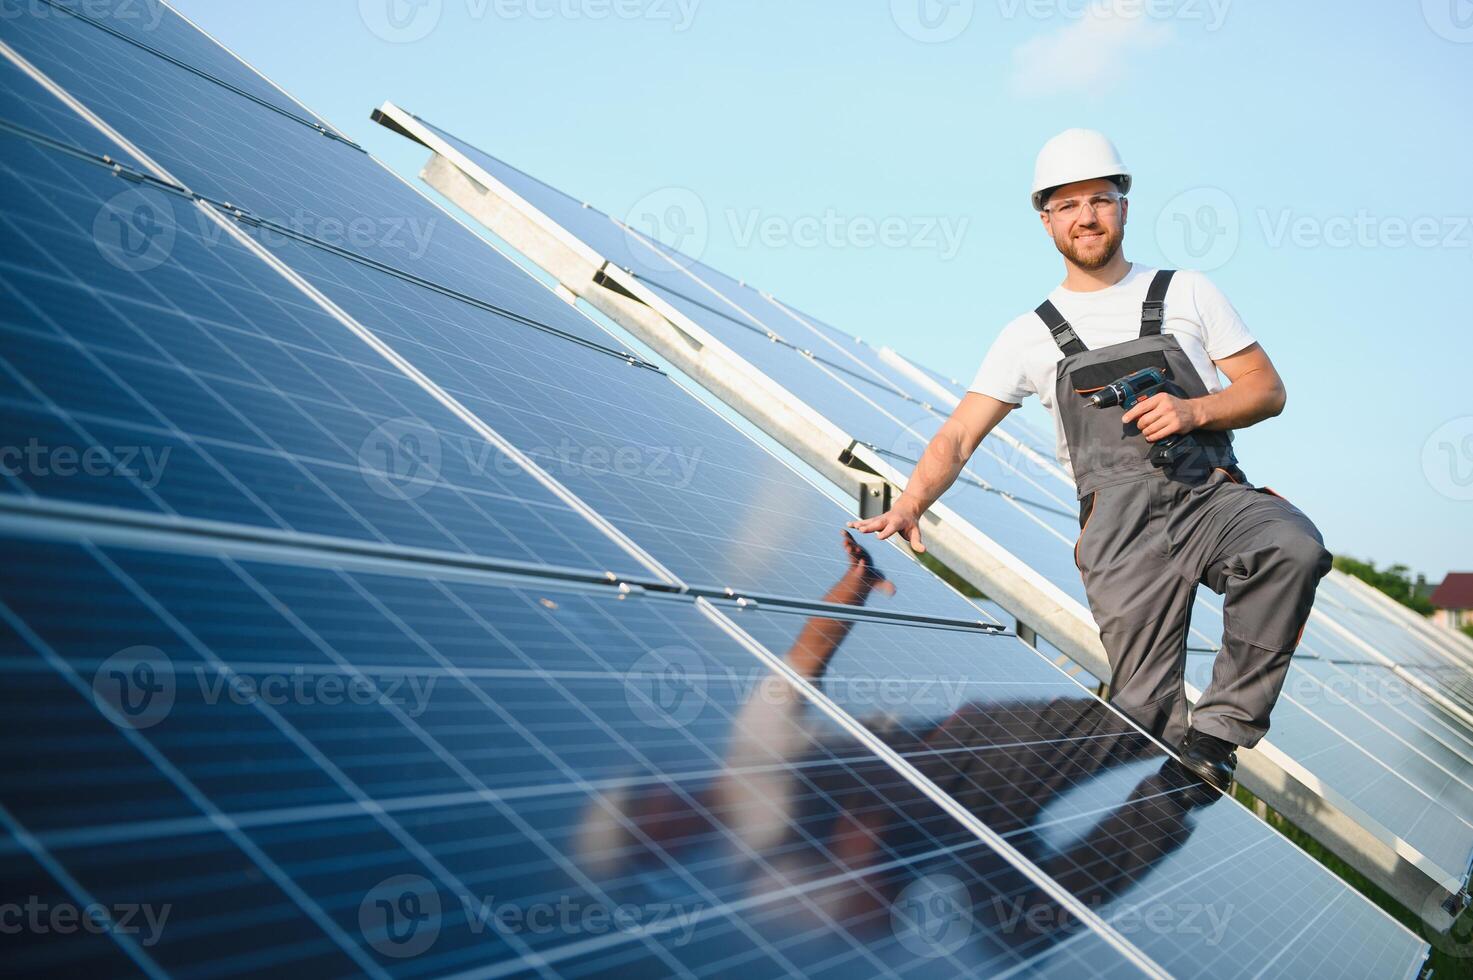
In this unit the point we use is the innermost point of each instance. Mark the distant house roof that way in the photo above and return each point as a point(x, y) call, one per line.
point(1455, 592)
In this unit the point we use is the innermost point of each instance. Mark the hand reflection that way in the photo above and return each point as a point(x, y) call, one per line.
point(862, 566)
point(820, 637)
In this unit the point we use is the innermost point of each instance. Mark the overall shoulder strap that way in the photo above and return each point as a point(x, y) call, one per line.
point(1153, 310)
point(1064, 334)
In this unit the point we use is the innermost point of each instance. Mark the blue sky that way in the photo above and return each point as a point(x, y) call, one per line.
point(868, 161)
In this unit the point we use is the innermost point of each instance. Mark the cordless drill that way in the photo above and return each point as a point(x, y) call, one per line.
point(1133, 388)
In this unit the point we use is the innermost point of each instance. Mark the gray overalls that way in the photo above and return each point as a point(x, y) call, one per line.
point(1148, 535)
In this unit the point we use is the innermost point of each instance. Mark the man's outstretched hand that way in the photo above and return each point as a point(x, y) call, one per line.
point(900, 520)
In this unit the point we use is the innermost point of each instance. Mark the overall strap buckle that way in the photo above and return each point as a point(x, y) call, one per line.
point(1153, 310)
point(1064, 334)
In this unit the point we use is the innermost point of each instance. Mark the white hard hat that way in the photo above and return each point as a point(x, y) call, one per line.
point(1077, 154)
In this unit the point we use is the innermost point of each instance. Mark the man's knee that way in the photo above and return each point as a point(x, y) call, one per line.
point(1305, 555)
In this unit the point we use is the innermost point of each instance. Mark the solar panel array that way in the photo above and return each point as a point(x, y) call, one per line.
point(1389, 739)
point(372, 611)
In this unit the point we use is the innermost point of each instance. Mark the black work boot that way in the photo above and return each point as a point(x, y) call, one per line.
point(1212, 759)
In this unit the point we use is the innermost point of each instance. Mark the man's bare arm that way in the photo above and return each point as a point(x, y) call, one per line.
point(1255, 392)
point(939, 466)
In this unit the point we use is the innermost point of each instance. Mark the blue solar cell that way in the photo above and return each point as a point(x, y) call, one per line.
point(233, 150)
point(1393, 690)
point(156, 26)
point(49, 116)
point(1393, 639)
point(867, 359)
point(563, 752)
point(841, 399)
point(199, 382)
point(1452, 683)
point(684, 484)
point(1395, 719)
point(1375, 738)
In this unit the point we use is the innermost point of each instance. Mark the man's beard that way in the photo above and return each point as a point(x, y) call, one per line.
point(1098, 256)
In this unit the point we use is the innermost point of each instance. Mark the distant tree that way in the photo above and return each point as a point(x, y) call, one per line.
point(1467, 628)
point(1395, 581)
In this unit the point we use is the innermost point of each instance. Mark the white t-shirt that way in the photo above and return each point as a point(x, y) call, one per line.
point(1023, 359)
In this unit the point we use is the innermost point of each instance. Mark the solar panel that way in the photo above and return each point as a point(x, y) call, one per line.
point(1390, 632)
point(857, 396)
point(161, 31)
point(1024, 518)
point(684, 484)
point(1020, 515)
point(318, 756)
point(1015, 501)
point(1350, 732)
point(510, 777)
point(199, 383)
point(275, 168)
point(1077, 789)
point(873, 408)
point(1403, 698)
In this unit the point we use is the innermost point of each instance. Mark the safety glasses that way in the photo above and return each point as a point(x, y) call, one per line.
point(1071, 208)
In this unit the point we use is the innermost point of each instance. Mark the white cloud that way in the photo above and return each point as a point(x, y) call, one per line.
point(1090, 52)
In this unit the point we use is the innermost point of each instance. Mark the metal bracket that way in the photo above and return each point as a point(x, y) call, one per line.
point(847, 458)
point(243, 216)
point(874, 499)
point(135, 176)
point(629, 588)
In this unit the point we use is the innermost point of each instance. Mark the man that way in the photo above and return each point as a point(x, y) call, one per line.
point(1163, 504)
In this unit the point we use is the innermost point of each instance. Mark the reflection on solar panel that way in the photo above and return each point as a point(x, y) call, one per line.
point(445, 636)
point(1070, 783)
point(529, 762)
point(1009, 523)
